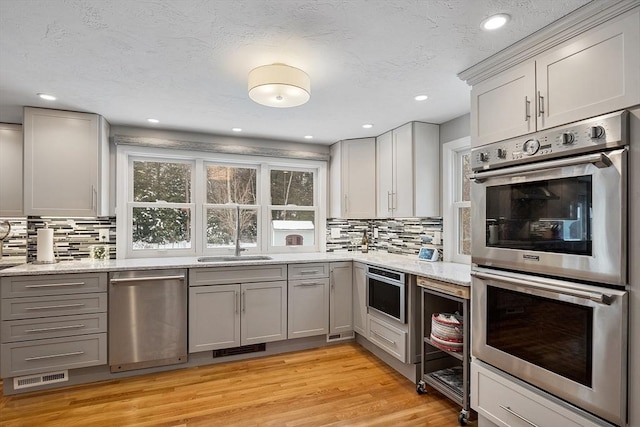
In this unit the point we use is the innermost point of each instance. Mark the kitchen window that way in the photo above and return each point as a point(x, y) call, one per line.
point(176, 203)
point(456, 168)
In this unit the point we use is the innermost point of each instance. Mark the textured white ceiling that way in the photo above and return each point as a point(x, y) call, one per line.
point(185, 62)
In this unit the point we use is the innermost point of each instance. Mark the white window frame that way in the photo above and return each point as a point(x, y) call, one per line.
point(315, 208)
point(451, 195)
point(124, 192)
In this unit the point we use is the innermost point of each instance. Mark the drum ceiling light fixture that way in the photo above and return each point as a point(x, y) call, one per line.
point(279, 85)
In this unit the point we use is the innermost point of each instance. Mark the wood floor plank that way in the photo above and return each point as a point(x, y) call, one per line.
point(341, 385)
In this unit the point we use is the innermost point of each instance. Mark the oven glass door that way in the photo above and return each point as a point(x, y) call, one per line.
point(386, 298)
point(555, 219)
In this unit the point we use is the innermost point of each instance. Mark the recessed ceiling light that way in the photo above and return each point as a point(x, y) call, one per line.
point(153, 121)
point(421, 97)
point(47, 97)
point(495, 21)
point(367, 126)
point(308, 137)
point(236, 129)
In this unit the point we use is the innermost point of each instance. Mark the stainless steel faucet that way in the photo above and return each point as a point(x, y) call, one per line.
point(238, 248)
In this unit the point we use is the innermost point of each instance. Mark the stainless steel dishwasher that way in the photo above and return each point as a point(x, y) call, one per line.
point(147, 319)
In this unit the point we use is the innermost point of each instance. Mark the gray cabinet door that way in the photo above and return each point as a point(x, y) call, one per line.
point(340, 297)
point(10, 170)
point(308, 308)
point(214, 317)
point(264, 312)
point(360, 299)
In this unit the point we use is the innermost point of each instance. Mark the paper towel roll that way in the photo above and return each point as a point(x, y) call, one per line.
point(45, 245)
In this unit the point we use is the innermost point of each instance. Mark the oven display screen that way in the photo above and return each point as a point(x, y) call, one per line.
point(554, 335)
point(552, 215)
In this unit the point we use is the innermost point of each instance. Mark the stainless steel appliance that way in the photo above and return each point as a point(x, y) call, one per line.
point(555, 202)
point(567, 338)
point(549, 254)
point(147, 319)
point(387, 293)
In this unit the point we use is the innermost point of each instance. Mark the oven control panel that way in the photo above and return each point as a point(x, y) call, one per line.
point(594, 134)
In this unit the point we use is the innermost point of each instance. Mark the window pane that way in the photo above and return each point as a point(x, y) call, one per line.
point(161, 228)
point(221, 228)
point(161, 181)
point(291, 188)
point(464, 245)
point(227, 184)
point(292, 228)
point(465, 172)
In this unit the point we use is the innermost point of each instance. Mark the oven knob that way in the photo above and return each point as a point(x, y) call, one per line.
point(502, 153)
point(568, 138)
point(531, 147)
point(484, 157)
point(596, 132)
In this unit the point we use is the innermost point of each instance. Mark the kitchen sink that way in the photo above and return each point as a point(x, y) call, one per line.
point(233, 258)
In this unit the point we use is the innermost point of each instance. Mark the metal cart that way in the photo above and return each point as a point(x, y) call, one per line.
point(445, 371)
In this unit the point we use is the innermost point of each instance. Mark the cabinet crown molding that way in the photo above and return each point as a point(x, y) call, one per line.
point(565, 28)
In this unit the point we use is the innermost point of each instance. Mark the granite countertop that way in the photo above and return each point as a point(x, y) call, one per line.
point(445, 271)
point(11, 261)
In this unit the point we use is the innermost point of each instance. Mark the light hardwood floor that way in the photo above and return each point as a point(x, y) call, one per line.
point(342, 385)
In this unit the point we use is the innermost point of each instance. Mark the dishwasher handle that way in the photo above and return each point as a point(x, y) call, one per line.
point(146, 279)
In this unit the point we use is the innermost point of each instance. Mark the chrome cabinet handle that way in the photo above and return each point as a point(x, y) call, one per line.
point(94, 198)
point(55, 285)
point(308, 284)
point(384, 338)
point(55, 328)
point(309, 272)
point(244, 301)
point(49, 307)
point(235, 300)
point(51, 356)
point(515, 414)
point(540, 104)
point(527, 114)
point(389, 202)
point(146, 279)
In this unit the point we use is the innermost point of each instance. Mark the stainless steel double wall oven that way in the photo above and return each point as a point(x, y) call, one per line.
point(549, 253)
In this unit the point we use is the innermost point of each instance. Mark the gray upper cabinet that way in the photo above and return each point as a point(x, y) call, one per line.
point(352, 179)
point(10, 170)
point(408, 171)
point(593, 73)
point(66, 163)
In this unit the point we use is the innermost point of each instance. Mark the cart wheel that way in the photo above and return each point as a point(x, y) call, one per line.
point(463, 417)
point(421, 387)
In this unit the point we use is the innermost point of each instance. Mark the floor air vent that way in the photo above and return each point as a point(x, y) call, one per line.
point(253, 348)
point(341, 337)
point(40, 379)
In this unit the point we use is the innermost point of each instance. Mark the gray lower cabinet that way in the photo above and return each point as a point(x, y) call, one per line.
point(53, 322)
point(308, 307)
point(341, 297)
point(360, 298)
point(225, 316)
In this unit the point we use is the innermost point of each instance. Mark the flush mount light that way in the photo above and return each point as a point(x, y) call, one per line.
point(154, 121)
point(495, 21)
point(421, 98)
point(367, 126)
point(279, 85)
point(47, 97)
point(236, 129)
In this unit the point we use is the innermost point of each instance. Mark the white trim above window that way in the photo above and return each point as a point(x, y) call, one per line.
point(456, 207)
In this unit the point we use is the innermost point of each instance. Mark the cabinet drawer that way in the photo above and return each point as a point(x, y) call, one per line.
point(388, 338)
point(308, 271)
point(30, 357)
point(239, 274)
point(53, 284)
point(508, 404)
point(53, 327)
point(35, 307)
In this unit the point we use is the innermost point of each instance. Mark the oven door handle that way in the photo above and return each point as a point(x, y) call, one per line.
point(540, 284)
point(600, 160)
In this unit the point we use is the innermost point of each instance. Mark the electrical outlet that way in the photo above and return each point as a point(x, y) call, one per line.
point(103, 235)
